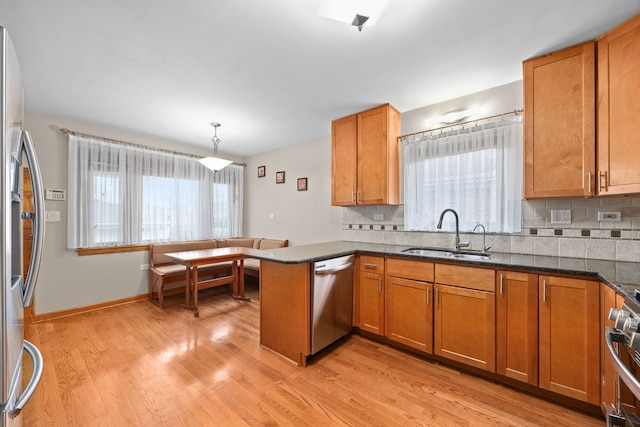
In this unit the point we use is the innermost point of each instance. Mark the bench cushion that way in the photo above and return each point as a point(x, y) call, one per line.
point(252, 264)
point(271, 244)
point(161, 249)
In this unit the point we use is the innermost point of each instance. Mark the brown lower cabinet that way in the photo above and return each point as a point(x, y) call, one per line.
point(369, 294)
point(464, 326)
point(409, 303)
point(465, 315)
point(570, 337)
point(517, 325)
point(539, 329)
point(609, 387)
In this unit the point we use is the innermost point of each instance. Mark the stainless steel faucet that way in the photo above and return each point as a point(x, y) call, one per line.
point(459, 244)
point(485, 248)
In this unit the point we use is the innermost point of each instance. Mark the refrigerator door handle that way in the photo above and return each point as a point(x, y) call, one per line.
point(38, 363)
point(37, 217)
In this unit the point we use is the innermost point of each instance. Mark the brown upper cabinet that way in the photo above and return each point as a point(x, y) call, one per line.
point(559, 123)
point(365, 162)
point(561, 112)
point(619, 109)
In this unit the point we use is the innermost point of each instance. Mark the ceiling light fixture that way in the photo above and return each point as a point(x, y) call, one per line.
point(215, 163)
point(456, 116)
point(359, 13)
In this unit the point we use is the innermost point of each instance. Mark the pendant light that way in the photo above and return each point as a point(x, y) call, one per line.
point(215, 163)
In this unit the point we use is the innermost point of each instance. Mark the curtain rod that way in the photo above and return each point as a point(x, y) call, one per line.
point(117, 141)
point(501, 116)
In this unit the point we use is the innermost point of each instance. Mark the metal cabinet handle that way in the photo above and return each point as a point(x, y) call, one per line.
point(353, 197)
point(544, 291)
point(379, 285)
point(501, 277)
point(606, 182)
point(367, 265)
point(589, 185)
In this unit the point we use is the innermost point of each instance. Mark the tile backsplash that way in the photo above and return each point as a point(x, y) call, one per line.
point(556, 227)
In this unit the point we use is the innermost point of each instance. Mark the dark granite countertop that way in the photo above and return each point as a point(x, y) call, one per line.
point(623, 276)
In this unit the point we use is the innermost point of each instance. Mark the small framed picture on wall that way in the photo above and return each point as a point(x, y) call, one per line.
point(302, 184)
point(280, 177)
point(262, 171)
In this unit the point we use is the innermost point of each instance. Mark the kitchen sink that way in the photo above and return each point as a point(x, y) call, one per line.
point(469, 255)
point(428, 251)
point(441, 252)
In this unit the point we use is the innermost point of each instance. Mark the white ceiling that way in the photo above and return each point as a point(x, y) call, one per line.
point(273, 73)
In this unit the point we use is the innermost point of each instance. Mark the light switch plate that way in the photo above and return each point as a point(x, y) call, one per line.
point(52, 216)
point(561, 216)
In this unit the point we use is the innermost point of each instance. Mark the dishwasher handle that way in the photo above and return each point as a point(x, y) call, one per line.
point(323, 269)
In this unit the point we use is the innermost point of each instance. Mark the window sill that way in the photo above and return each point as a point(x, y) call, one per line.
point(111, 250)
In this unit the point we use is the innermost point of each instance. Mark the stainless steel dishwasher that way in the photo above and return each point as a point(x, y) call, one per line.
point(332, 301)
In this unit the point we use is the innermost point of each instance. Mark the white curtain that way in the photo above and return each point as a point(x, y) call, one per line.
point(477, 171)
point(123, 195)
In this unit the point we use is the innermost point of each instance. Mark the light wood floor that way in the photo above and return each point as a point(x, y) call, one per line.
point(138, 365)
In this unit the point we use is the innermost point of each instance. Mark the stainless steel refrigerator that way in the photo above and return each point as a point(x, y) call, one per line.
point(16, 291)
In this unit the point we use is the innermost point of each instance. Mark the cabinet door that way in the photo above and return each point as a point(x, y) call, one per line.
point(344, 135)
point(371, 302)
point(409, 313)
point(609, 377)
point(378, 157)
point(559, 123)
point(517, 326)
point(570, 337)
point(464, 326)
point(618, 108)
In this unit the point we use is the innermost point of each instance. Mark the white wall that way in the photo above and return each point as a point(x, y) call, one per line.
point(497, 100)
point(301, 216)
point(67, 280)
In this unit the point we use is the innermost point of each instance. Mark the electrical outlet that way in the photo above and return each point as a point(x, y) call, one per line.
point(609, 216)
point(378, 217)
point(144, 266)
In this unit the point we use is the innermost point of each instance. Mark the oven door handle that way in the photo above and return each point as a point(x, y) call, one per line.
point(623, 372)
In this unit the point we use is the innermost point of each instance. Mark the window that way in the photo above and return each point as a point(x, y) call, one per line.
point(476, 171)
point(127, 195)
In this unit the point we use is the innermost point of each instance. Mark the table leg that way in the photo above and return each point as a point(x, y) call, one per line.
point(196, 313)
point(191, 290)
point(187, 286)
point(238, 292)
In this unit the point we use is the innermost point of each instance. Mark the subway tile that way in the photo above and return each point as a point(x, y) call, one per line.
point(545, 232)
point(534, 222)
point(628, 250)
point(499, 243)
point(572, 248)
point(546, 246)
point(572, 232)
point(522, 245)
point(601, 234)
point(615, 201)
point(558, 204)
point(589, 202)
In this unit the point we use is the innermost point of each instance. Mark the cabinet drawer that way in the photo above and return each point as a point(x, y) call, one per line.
point(416, 270)
point(482, 279)
point(372, 264)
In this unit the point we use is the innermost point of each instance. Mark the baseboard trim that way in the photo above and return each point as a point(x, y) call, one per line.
point(100, 306)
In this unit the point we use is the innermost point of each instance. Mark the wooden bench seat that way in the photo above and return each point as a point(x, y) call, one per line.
point(162, 270)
